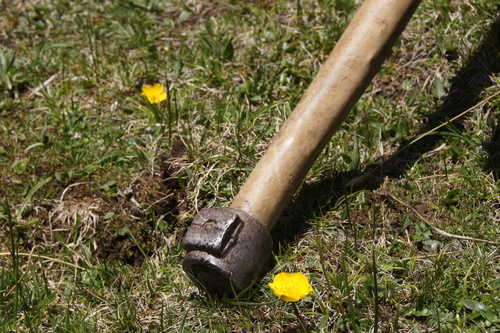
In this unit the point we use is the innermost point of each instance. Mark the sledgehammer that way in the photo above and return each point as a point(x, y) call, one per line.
point(228, 248)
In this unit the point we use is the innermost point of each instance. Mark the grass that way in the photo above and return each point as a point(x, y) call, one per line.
point(97, 188)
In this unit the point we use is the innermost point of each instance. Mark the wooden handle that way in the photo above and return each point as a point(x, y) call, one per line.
point(343, 78)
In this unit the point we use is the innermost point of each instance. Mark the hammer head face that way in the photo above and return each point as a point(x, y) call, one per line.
point(227, 250)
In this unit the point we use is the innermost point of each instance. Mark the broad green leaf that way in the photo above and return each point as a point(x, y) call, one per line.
point(482, 309)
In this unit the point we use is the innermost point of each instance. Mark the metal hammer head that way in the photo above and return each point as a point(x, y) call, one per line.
point(227, 250)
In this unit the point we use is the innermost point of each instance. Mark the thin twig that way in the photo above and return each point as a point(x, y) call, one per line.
point(384, 192)
point(454, 118)
point(299, 317)
point(44, 258)
point(362, 178)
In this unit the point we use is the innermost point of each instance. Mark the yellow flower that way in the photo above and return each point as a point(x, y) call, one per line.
point(154, 94)
point(290, 287)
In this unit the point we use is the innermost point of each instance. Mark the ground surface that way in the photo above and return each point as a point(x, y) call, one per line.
point(396, 225)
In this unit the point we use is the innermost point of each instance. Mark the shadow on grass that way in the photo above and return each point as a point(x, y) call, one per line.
point(465, 91)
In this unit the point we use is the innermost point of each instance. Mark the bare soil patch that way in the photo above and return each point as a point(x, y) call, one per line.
point(125, 227)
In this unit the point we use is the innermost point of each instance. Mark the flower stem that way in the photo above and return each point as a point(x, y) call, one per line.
point(299, 318)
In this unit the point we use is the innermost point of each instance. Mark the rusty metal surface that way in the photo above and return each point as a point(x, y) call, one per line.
point(227, 250)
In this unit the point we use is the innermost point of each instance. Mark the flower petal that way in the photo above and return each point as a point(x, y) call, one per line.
point(158, 88)
point(290, 287)
point(162, 97)
point(154, 93)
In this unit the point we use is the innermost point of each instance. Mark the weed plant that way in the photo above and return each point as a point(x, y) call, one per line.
point(96, 191)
